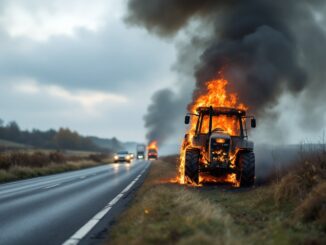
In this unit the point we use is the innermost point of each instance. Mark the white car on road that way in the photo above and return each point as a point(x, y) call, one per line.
point(122, 156)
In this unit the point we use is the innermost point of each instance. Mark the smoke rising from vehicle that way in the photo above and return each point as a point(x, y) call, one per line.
point(264, 48)
point(162, 111)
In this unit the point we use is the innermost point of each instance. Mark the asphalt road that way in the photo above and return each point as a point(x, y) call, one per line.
point(66, 208)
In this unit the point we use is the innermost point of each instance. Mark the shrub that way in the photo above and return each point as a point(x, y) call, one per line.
point(313, 208)
point(4, 161)
point(302, 178)
point(97, 157)
point(57, 157)
point(37, 159)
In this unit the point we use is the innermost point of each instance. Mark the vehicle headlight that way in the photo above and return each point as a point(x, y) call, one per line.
point(220, 140)
point(116, 157)
point(128, 157)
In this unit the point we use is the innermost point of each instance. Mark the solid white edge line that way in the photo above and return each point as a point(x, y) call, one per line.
point(82, 232)
point(101, 214)
point(115, 200)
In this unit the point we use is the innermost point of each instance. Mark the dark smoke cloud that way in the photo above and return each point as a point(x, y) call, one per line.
point(165, 17)
point(255, 47)
point(161, 114)
point(261, 45)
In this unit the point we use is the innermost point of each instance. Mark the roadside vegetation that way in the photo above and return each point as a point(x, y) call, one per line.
point(289, 209)
point(12, 137)
point(16, 165)
point(31, 153)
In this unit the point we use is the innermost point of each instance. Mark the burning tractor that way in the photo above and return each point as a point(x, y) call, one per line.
point(219, 145)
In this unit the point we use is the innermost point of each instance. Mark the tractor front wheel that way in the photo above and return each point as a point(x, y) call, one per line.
point(246, 165)
point(192, 165)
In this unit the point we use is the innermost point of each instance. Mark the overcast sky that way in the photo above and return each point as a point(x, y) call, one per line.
point(76, 64)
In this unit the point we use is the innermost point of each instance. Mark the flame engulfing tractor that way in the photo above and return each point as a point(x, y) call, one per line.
point(219, 145)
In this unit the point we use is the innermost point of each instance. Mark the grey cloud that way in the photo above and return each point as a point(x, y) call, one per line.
point(41, 111)
point(113, 59)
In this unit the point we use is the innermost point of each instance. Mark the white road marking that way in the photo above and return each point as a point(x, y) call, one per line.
point(101, 214)
point(51, 186)
point(82, 232)
point(82, 177)
point(128, 187)
point(115, 200)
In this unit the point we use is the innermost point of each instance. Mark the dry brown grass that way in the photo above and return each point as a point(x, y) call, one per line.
point(313, 207)
point(37, 159)
point(21, 165)
point(304, 188)
point(164, 213)
point(167, 213)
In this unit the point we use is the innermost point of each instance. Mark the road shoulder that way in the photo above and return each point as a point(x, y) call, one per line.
point(164, 212)
point(99, 234)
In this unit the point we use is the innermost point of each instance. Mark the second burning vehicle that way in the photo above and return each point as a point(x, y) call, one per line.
point(152, 151)
point(220, 151)
point(152, 154)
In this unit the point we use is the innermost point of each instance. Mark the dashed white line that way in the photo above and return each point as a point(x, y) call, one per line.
point(50, 186)
point(82, 232)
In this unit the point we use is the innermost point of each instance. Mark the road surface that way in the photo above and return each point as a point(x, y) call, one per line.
point(69, 208)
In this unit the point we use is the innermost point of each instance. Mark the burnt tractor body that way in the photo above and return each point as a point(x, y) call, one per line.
point(216, 151)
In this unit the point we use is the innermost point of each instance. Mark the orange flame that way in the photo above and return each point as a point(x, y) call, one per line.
point(152, 145)
point(216, 96)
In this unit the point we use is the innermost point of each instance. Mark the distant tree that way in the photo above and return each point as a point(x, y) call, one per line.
point(66, 139)
point(2, 129)
point(62, 139)
point(116, 144)
point(87, 144)
point(13, 131)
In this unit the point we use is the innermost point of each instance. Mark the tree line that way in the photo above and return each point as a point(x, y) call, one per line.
point(61, 139)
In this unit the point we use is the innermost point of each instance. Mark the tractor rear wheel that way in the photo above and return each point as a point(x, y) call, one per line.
point(246, 174)
point(192, 165)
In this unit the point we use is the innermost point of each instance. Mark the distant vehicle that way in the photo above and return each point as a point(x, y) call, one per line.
point(152, 154)
point(132, 155)
point(122, 156)
point(140, 151)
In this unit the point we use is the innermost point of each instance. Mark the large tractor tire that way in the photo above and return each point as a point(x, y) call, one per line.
point(246, 174)
point(192, 165)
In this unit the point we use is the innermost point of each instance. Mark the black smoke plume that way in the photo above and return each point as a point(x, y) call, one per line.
point(262, 46)
point(161, 114)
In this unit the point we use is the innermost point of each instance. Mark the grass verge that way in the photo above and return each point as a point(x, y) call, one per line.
point(21, 165)
point(166, 213)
